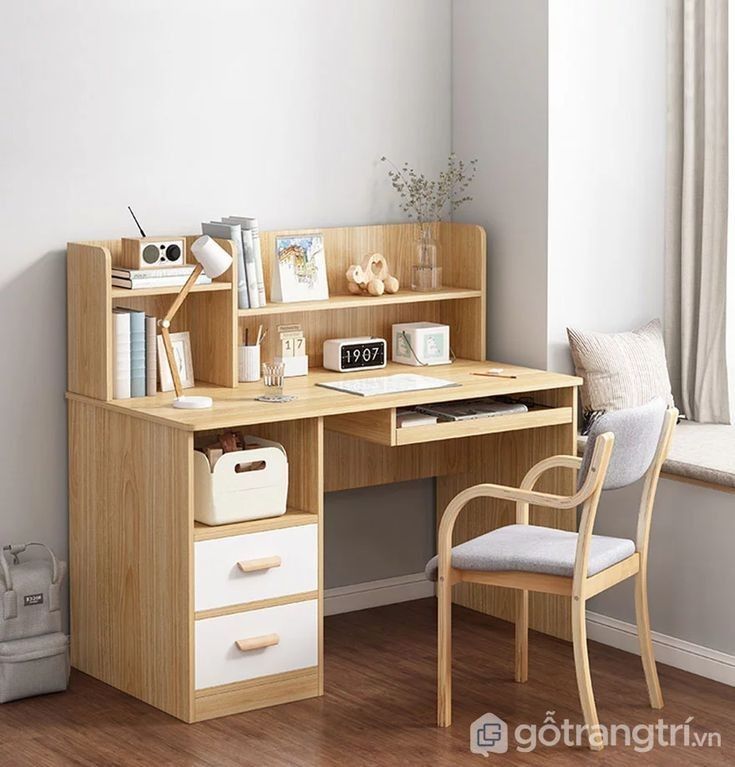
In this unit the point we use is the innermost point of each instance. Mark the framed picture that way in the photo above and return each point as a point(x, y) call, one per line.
point(181, 344)
point(299, 269)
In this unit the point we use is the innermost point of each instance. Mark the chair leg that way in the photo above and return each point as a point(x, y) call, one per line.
point(644, 638)
point(582, 665)
point(444, 661)
point(521, 670)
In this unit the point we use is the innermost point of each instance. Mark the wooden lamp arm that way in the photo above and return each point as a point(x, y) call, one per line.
point(183, 293)
point(165, 324)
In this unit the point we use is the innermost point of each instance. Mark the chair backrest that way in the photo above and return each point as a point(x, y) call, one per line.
point(637, 433)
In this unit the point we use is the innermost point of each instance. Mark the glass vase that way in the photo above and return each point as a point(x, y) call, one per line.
point(426, 274)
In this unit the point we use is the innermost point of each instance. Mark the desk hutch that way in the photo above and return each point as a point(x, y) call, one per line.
point(154, 608)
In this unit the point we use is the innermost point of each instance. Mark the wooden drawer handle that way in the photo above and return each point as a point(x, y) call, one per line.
point(257, 643)
point(253, 565)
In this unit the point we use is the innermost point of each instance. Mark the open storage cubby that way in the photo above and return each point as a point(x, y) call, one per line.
point(300, 439)
point(209, 314)
point(460, 304)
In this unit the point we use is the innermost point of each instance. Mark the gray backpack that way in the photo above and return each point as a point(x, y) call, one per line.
point(34, 654)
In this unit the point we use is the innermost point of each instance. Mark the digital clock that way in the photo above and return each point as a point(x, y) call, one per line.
point(345, 354)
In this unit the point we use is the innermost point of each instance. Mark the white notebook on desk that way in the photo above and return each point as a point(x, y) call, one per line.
point(395, 384)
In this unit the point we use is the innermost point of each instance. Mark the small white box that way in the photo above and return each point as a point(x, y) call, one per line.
point(245, 484)
point(294, 366)
point(421, 343)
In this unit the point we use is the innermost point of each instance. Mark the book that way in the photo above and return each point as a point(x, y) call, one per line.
point(406, 418)
point(151, 326)
point(143, 274)
point(251, 224)
point(137, 354)
point(157, 282)
point(222, 231)
point(249, 256)
point(120, 354)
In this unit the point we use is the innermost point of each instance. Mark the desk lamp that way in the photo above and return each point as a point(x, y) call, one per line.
point(212, 260)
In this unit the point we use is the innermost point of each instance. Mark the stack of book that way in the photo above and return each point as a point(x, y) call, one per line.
point(134, 355)
point(243, 231)
point(165, 277)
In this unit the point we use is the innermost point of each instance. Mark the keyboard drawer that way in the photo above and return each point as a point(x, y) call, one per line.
point(379, 426)
point(248, 568)
point(256, 643)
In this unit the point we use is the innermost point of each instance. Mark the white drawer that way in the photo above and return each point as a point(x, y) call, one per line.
point(288, 558)
point(290, 631)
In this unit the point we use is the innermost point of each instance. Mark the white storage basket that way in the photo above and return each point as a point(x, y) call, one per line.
point(246, 484)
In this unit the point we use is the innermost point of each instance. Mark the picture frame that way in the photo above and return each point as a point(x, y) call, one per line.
point(181, 344)
point(299, 269)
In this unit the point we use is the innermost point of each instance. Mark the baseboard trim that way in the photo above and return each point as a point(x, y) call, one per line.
point(669, 650)
point(362, 596)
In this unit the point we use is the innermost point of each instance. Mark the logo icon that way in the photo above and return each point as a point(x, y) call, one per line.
point(32, 599)
point(488, 735)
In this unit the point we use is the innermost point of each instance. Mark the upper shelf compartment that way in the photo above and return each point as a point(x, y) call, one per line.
point(405, 296)
point(118, 293)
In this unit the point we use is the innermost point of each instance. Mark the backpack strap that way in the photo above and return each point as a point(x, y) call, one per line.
point(10, 598)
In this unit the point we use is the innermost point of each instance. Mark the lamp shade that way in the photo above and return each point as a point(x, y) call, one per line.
point(215, 260)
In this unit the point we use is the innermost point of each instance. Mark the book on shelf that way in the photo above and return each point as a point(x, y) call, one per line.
point(222, 231)
point(140, 283)
point(120, 354)
point(134, 354)
point(137, 354)
point(251, 240)
point(145, 274)
point(151, 325)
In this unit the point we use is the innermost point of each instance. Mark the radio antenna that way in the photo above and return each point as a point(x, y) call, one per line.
point(137, 223)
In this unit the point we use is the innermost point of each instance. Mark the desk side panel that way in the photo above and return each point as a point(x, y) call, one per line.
point(130, 555)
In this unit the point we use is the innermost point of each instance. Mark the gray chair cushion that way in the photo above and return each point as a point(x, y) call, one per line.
point(533, 549)
point(637, 431)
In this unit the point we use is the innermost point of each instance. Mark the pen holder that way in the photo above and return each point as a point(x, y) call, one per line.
point(248, 359)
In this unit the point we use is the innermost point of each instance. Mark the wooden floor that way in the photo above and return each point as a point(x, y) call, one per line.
point(378, 708)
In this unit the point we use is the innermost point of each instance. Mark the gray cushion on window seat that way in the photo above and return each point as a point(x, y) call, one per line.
point(701, 451)
point(533, 549)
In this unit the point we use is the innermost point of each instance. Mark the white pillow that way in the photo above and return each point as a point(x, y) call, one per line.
point(620, 370)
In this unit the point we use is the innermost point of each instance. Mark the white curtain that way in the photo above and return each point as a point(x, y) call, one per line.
point(696, 208)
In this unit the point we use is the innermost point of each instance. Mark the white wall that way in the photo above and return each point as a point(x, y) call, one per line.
point(188, 110)
point(499, 115)
point(607, 142)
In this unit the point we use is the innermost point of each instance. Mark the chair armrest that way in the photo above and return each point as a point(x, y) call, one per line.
point(555, 462)
point(535, 473)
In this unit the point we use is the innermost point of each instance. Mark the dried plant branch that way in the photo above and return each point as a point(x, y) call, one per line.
point(427, 200)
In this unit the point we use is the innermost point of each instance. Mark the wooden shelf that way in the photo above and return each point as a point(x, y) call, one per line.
point(170, 290)
point(292, 518)
point(349, 301)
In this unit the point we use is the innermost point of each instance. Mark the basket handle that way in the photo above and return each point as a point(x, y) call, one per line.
point(257, 643)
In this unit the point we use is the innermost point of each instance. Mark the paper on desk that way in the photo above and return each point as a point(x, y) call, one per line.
point(395, 384)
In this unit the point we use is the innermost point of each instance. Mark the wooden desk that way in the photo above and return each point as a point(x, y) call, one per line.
point(133, 540)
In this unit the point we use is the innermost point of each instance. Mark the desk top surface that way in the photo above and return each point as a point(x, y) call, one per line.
point(238, 407)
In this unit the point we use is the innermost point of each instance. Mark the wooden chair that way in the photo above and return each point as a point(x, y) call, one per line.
point(623, 447)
